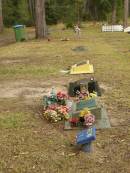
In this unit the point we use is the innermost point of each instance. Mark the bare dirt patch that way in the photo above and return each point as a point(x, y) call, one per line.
point(28, 89)
point(12, 61)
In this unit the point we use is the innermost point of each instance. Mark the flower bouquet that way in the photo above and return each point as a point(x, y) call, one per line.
point(87, 117)
point(63, 111)
point(61, 98)
point(55, 113)
point(51, 115)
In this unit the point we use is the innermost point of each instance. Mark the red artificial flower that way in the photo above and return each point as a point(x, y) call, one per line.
point(74, 120)
point(61, 96)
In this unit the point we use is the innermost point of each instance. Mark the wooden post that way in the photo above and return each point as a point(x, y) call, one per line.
point(1, 18)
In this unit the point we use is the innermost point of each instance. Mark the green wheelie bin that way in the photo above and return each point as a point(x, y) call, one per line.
point(20, 34)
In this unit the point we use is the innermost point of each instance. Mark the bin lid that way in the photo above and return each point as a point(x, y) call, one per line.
point(18, 26)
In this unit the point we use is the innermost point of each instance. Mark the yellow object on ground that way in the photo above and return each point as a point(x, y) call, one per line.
point(83, 67)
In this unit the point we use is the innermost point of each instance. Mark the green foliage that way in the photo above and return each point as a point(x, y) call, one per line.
point(69, 12)
point(100, 10)
point(70, 19)
point(119, 10)
point(8, 13)
point(16, 12)
point(52, 14)
point(23, 12)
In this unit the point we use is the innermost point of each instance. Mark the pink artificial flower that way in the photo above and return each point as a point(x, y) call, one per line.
point(89, 120)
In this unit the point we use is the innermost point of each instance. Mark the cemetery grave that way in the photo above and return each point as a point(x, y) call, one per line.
point(79, 108)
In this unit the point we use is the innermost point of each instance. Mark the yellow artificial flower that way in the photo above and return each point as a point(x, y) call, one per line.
point(93, 95)
point(85, 112)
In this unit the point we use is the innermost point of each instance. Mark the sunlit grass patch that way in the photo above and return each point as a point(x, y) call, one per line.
point(27, 71)
point(13, 119)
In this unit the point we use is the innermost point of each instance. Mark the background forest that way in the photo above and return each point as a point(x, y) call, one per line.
point(67, 11)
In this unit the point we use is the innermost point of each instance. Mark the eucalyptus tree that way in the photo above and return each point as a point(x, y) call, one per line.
point(40, 19)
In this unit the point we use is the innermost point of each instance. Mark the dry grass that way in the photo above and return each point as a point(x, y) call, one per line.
point(29, 144)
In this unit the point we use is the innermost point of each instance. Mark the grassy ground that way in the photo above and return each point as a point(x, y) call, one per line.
point(29, 144)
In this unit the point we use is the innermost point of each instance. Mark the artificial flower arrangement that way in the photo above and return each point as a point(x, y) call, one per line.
point(52, 98)
point(51, 115)
point(87, 118)
point(63, 111)
point(56, 109)
point(61, 98)
point(85, 95)
point(55, 113)
point(82, 95)
point(58, 97)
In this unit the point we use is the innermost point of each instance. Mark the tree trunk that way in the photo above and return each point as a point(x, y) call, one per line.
point(40, 20)
point(1, 18)
point(126, 12)
point(114, 10)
